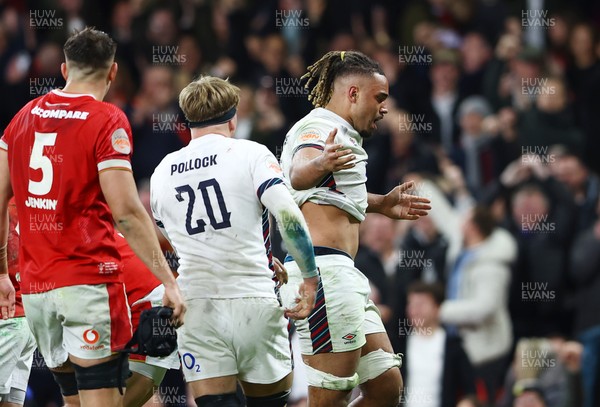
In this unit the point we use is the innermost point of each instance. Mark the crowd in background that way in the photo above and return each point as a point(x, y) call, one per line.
point(493, 111)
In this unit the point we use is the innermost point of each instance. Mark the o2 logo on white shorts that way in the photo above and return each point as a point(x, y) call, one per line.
point(189, 361)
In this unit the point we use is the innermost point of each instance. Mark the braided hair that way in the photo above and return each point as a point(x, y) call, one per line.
point(333, 65)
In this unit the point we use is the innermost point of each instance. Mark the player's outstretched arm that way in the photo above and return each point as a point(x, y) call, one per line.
point(310, 165)
point(294, 232)
point(135, 224)
point(7, 291)
point(398, 204)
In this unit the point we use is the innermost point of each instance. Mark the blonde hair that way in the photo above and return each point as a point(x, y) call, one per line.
point(208, 97)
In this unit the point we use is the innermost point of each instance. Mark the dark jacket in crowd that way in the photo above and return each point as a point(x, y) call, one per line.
point(584, 272)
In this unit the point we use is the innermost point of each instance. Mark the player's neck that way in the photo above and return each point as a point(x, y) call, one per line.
point(221, 129)
point(340, 111)
point(98, 90)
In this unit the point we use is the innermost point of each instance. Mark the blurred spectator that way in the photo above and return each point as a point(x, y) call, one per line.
point(157, 123)
point(509, 79)
point(558, 44)
point(442, 106)
point(583, 185)
point(192, 65)
point(550, 121)
point(422, 258)
point(475, 54)
point(550, 367)
point(269, 121)
point(437, 372)
point(507, 48)
point(245, 113)
point(377, 258)
point(475, 155)
point(542, 224)
point(369, 263)
point(379, 234)
point(530, 397)
point(477, 297)
point(123, 33)
point(479, 257)
point(584, 271)
point(542, 219)
point(423, 242)
point(470, 401)
point(583, 76)
point(403, 73)
point(272, 70)
point(407, 152)
point(505, 145)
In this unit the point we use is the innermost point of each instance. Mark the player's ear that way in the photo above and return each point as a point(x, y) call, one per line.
point(353, 93)
point(112, 73)
point(63, 70)
point(232, 124)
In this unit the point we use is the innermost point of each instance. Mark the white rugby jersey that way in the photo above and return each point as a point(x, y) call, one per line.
point(345, 189)
point(206, 197)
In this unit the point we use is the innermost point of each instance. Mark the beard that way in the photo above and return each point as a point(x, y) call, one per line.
point(365, 134)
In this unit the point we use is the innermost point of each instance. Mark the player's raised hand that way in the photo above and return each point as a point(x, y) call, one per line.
point(174, 299)
point(305, 303)
point(334, 158)
point(7, 297)
point(399, 204)
point(280, 272)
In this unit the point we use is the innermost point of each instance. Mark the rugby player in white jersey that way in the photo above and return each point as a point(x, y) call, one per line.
point(211, 200)
point(343, 341)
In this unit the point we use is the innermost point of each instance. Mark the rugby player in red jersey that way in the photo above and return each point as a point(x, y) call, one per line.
point(144, 291)
point(16, 341)
point(66, 157)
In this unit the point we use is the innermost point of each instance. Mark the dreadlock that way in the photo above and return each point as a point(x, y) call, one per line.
point(333, 65)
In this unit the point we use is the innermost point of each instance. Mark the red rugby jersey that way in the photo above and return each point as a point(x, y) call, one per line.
point(139, 281)
point(57, 145)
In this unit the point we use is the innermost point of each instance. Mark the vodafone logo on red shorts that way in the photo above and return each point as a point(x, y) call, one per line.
point(91, 336)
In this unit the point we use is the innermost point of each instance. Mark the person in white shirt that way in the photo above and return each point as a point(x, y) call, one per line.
point(344, 342)
point(212, 200)
point(438, 371)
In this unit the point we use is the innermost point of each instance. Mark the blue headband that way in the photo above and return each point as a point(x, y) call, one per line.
point(224, 118)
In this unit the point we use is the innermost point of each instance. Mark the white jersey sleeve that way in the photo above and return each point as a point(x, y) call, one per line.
point(265, 170)
point(345, 189)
